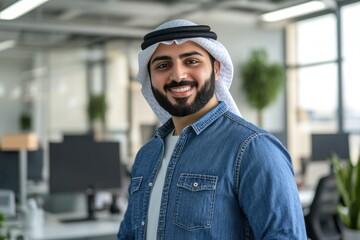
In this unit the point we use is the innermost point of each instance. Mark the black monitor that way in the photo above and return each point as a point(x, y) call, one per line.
point(84, 166)
point(325, 145)
point(10, 171)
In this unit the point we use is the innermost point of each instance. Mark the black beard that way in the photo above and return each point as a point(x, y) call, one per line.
point(181, 108)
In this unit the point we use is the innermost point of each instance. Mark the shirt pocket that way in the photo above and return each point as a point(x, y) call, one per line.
point(195, 201)
point(135, 199)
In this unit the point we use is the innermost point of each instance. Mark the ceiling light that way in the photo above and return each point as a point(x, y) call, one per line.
point(7, 44)
point(19, 8)
point(294, 11)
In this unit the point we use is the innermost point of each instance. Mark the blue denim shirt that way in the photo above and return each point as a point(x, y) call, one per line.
point(227, 179)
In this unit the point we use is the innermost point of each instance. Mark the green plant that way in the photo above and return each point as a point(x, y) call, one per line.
point(348, 183)
point(262, 81)
point(96, 108)
point(25, 121)
point(2, 220)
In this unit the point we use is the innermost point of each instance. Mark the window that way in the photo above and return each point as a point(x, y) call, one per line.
point(319, 101)
point(316, 40)
point(316, 55)
point(313, 78)
point(351, 57)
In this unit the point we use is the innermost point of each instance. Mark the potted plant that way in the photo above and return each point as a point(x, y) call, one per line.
point(348, 183)
point(262, 81)
point(25, 121)
point(96, 110)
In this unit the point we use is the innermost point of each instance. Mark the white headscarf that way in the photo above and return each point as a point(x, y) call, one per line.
point(215, 48)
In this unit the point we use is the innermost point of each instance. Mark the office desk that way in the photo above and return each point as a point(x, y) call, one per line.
point(306, 197)
point(76, 230)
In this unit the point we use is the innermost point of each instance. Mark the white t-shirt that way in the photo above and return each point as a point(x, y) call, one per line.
point(156, 193)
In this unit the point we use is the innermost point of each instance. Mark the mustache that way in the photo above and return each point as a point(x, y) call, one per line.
point(173, 84)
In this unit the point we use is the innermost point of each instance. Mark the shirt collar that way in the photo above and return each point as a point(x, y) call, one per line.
point(209, 117)
point(197, 126)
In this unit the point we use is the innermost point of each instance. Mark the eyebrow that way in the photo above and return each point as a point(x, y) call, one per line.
point(183, 55)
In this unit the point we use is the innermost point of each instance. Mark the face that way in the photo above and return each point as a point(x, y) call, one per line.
point(183, 77)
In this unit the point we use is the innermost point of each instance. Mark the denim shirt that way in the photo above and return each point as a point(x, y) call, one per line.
point(227, 179)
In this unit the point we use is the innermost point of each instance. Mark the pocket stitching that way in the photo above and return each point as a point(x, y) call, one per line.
point(209, 185)
point(210, 181)
point(137, 181)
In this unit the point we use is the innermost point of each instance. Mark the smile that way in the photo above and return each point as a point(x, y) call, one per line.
point(180, 89)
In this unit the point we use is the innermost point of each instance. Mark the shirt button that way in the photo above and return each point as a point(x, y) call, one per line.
point(150, 184)
point(142, 223)
point(195, 184)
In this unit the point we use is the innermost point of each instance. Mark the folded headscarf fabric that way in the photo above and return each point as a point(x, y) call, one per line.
point(215, 48)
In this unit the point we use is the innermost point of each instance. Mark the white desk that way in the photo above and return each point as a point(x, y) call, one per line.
point(73, 230)
point(306, 197)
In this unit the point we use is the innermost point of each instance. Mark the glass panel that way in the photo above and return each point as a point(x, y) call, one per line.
point(351, 75)
point(318, 96)
point(316, 39)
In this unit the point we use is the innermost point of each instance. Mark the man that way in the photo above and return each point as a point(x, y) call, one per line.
point(207, 173)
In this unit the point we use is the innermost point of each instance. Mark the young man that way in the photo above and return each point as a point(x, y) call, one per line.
point(207, 173)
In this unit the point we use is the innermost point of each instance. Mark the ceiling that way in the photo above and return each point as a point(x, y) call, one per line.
point(86, 22)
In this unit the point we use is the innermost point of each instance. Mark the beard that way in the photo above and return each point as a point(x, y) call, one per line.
point(181, 108)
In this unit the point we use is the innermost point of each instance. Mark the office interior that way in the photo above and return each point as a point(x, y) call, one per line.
point(59, 54)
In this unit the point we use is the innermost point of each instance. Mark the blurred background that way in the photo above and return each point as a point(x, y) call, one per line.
point(61, 59)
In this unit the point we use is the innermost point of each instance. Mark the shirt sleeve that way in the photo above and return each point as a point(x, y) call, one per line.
point(267, 190)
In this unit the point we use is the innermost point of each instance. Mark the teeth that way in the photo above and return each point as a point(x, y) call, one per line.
point(181, 89)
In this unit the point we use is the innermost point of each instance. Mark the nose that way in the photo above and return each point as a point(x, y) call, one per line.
point(178, 73)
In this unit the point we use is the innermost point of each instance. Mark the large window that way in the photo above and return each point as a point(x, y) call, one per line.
point(318, 95)
point(315, 59)
point(316, 38)
point(315, 102)
point(351, 57)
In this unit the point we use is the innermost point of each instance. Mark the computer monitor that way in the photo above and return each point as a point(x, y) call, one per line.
point(84, 166)
point(10, 170)
point(325, 145)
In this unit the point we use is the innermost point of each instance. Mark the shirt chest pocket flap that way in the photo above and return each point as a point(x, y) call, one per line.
point(195, 201)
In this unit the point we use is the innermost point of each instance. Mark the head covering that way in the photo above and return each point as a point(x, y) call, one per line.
point(180, 31)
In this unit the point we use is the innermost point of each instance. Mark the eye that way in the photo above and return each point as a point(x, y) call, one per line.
point(192, 61)
point(162, 66)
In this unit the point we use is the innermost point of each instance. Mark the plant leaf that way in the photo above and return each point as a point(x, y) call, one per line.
point(348, 183)
point(261, 81)
point(341, 179)
point(343, 214)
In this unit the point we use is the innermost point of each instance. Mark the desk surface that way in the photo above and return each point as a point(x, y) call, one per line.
point(306, 197)
point(72, 230)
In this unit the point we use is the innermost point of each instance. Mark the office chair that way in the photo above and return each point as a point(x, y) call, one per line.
point(321, 221)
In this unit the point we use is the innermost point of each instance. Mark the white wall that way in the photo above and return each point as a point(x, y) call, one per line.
point(12, 77)
point(240, 40)
point(117, 85)
point(68, 91)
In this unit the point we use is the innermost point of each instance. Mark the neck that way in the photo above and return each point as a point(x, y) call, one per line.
point(181, 122)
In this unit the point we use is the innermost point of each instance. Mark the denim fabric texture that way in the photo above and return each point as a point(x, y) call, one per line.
point(227, 179)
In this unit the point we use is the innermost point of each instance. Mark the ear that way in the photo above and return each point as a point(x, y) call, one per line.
point(217, 69)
